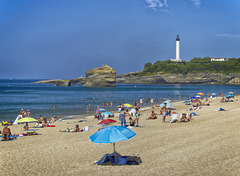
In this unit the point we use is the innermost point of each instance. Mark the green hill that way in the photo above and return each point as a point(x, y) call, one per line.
point(196, 65)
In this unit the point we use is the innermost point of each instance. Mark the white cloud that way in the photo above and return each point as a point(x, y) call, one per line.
point(228, 35)
point(155, 4)
point(197, 3)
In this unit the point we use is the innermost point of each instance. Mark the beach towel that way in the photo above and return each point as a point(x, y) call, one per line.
point(194, 114)
point(109, 159)
point(31, 130)
point(10, 139)
point(221, 109)
point(83, 120)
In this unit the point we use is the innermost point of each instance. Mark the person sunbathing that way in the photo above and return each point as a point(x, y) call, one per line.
point(76, 129)
point(153, 116)
point(6, 133)
point(45, 122)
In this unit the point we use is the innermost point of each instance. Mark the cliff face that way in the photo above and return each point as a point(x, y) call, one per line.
point(104, 76)
point(190, 78)
point(63, 82)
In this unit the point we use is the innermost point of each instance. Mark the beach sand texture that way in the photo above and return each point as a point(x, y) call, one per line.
point(209, 145)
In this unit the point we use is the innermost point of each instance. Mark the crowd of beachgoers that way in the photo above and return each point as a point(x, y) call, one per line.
point(199, 130)
point(128, 114)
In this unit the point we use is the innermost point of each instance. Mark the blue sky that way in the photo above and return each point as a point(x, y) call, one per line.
point(53, 39)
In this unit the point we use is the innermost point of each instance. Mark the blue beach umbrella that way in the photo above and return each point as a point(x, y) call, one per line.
point(102, 110)
point(112, 134)
point(187, 100)
point(229, 96)
point(168, 104)
point(193, 98)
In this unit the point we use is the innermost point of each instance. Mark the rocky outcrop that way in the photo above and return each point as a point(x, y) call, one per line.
point(63, 82)
point(104, 76)
point(190, 78)
point(235, 81)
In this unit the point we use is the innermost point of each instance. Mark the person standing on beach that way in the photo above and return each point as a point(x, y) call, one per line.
point(103, 104)
point(137, 116)
point(164, 111)
point(89, 108)
point(122, 118)
point(107, 104)
point(86, 108)
point(22, 112)
point(29, 113)
point(141, 101)
point(152, 101)
point(111, 103)
point(119, 108)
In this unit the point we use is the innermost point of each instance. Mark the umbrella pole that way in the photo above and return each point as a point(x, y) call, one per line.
point(115, 155)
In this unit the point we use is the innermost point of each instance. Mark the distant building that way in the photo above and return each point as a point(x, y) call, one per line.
point(177, 50)
point(219, 59)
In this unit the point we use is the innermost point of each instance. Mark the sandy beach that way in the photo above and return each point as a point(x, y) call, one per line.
point(207, 146)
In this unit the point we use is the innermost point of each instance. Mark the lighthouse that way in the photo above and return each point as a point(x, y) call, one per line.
point(178, 49)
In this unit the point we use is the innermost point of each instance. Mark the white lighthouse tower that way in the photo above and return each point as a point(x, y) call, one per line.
point(178, 49)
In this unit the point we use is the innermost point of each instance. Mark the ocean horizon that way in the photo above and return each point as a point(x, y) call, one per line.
point(17, 94)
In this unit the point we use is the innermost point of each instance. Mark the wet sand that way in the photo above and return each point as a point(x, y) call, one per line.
point(207, 146)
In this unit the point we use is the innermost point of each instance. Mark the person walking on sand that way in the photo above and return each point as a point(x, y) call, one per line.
point(164, 112)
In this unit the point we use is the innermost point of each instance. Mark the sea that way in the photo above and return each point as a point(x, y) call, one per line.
point(71, 101)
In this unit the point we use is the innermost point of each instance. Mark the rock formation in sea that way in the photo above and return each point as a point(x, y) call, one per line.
point(190, 78)
point(104, 76)
point(63, 82)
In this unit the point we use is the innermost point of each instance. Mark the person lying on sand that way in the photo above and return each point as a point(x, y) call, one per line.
point(76, 129)
point(153, 116)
